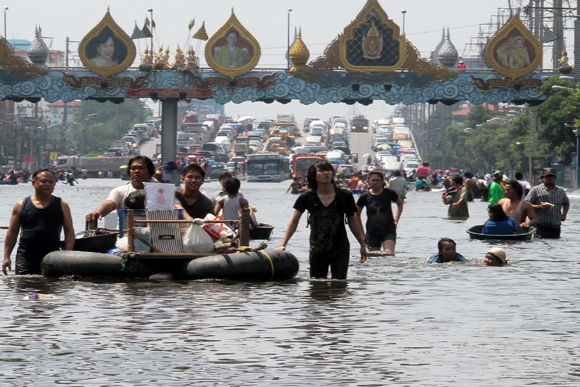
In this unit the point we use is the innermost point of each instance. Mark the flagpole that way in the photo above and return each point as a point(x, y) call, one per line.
point(151, 11)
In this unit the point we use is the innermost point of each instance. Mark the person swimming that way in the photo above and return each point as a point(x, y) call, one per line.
point(495, 257)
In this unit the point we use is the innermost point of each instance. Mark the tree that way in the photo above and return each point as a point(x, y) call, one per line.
point(105, 127)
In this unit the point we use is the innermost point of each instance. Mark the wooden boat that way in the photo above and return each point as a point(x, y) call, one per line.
point(262, 232)
point(475, 232)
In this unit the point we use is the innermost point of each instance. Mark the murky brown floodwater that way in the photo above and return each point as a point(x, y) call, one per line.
point(395, 321)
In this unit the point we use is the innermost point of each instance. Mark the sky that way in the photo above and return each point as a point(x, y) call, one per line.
point(267, 20)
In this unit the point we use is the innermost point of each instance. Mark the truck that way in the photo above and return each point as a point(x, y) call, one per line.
point(287, 118)
point(241, 146)
point(359, 124)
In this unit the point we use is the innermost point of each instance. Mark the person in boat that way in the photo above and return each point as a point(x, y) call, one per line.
point(398, 184)
point(458, 205)
point(40, 218)
point(421, 184)
point(141, 170)
point(189, 198)
point(424, 170)
point(220, 194)
point(499, 223)
point(327, 206)
point(25, 175)
point(232, 202)
point(12, 177)
point(496, 192)
point(516, 207)
point(495, 257)
point(295, 186)
point(381, 225)
point(550, 203)
point(447, 252)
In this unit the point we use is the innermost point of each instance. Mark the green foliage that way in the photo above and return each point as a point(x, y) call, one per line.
point(102, 128)
point(506, 145)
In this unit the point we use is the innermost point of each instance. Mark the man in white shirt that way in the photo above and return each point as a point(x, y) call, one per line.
point(141, 170)
point(399, 185)
point(525, 185)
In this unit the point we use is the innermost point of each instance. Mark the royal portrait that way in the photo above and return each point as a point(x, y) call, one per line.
point(106, 49)
point(514, 52)
point(232, 51)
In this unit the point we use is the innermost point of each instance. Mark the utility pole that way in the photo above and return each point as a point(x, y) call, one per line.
point(577, 43)
point(558, 27)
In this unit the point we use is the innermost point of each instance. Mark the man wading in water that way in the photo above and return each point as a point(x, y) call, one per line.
point(41, 217)
point(327, 206)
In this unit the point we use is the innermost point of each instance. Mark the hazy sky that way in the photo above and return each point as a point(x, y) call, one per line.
point(267, 20)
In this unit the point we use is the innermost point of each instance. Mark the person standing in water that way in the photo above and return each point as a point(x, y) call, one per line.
point(327, 207)
point(381, 225)
point(39, 218)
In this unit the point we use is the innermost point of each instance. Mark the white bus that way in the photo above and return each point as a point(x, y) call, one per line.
point(267, 167)
point(93, 164)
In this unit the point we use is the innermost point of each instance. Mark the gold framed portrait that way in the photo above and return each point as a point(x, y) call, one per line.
point(232, 50)
point(107, 50)
point(514, 51)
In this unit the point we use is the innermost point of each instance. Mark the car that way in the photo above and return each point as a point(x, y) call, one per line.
point(231, 167)
point(216, 170)
point(347, 169)
point(337, 144)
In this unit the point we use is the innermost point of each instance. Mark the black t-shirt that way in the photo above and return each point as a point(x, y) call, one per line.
point(379, 213)
point(199, 209)
point(327, 224)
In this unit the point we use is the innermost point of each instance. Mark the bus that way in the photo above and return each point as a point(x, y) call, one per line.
point(359, 124)
point(301, 163)
point(93, 164)
point(266, 167)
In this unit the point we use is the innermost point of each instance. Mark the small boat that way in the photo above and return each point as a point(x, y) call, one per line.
point(262, 232)
point(475, 232)
point(4, 182)
point(356, 191)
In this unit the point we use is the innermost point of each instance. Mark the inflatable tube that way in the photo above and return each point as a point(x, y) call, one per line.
point(266, 265)
point(88, 264)
point(255, 266)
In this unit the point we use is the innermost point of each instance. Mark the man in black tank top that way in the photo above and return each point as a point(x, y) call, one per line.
point(41, 217)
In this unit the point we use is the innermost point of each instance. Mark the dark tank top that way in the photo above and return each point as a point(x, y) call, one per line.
point(40, 228)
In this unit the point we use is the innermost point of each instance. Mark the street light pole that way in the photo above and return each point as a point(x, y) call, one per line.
point(404, 12)
point(288, 50)
point(5, 9)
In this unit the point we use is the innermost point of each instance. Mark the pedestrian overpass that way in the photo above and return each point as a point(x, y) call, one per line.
point(370, 61)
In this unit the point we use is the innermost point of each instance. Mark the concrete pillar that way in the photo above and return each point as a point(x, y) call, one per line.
point(169, 133)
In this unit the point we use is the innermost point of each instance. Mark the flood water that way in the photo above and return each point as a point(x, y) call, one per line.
point(396, 321)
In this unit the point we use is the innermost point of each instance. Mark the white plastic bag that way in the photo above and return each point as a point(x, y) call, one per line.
point(215, 230)
point(196, 240)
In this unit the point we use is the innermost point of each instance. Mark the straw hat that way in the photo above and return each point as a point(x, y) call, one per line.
point(499, 253)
